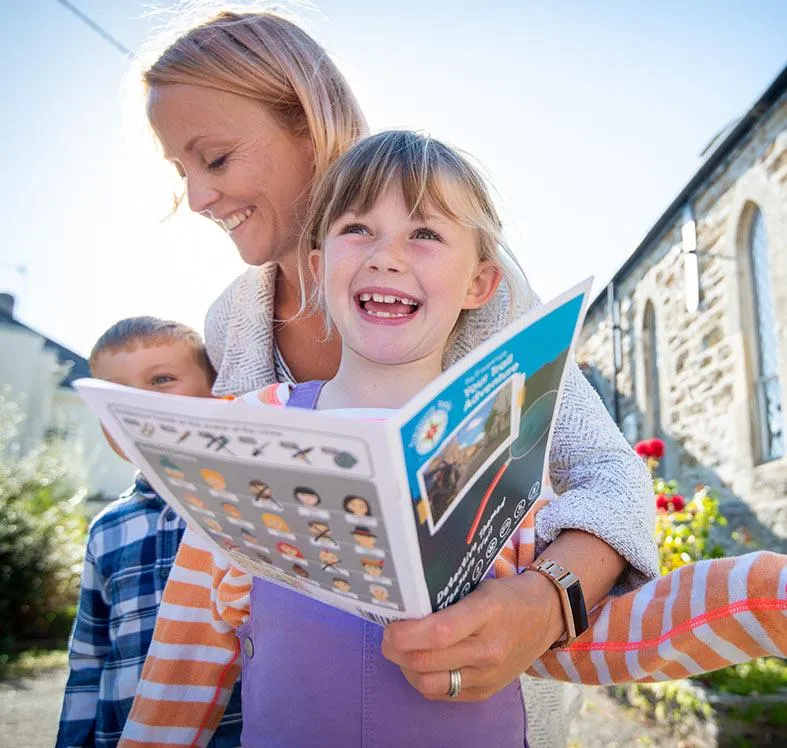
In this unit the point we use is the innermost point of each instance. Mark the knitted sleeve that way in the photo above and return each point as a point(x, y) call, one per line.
point(602, 486)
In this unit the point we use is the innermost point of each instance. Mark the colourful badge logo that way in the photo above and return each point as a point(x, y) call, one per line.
point(430, 430)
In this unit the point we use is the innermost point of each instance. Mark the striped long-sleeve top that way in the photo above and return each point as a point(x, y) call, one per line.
point(699, 618)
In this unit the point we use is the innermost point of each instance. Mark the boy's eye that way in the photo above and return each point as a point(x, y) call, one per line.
point(217, 163)
point(355, 228)
point(424, 233)
point(162, 379)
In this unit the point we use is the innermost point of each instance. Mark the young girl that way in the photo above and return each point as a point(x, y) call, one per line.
point(402, 240)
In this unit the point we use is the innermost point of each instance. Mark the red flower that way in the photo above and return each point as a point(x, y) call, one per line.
point(665, 503)
point(662, 502)
point(678, 503)
point(656, 448)
point(642, 449)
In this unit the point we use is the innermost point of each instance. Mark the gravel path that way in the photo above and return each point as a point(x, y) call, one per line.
point(30, 707)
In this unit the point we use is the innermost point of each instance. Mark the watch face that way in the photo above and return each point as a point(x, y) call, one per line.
point(577, 600)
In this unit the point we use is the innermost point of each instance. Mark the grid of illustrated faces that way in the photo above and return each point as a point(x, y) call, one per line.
point(298, 526)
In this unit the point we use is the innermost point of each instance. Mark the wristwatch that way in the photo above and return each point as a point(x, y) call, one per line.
point(571, 598)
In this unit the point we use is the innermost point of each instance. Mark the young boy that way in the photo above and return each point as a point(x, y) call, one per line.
point(130, 549)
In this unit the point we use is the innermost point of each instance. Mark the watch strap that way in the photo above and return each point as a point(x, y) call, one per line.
point(572, 601)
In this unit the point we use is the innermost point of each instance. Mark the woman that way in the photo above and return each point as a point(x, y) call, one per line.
point(251, 111)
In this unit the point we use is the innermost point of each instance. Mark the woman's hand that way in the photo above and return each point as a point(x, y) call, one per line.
point(490, 636)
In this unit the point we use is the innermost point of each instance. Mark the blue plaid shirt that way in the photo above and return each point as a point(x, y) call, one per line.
point(130, 550)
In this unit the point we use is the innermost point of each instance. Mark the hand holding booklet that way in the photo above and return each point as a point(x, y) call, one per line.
point(386, 519)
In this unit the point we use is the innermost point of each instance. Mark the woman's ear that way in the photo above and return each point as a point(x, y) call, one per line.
point(483, 285)
point(315, 265)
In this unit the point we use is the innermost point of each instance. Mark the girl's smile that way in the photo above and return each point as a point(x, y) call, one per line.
point(386, 306)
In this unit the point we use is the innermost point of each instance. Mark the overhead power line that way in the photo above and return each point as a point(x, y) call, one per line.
point(105, 35)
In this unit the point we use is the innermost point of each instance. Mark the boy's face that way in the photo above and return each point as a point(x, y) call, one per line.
point(169, 366)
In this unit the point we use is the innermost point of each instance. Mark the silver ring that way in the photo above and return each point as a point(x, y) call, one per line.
point(455, 686)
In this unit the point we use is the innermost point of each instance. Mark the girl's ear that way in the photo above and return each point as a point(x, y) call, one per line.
point(483, 285)
point(315, 265)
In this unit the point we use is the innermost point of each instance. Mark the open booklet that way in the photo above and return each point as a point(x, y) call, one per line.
point(387, 519)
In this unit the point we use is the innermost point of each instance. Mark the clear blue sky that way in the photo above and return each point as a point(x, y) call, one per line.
point(588, 116)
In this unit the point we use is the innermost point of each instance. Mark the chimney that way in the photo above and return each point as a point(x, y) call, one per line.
point(7, 304)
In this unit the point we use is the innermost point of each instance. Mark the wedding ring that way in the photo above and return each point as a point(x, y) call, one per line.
point(455, 686)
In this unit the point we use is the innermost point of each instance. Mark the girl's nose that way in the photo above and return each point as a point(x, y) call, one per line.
point(201, 195)
point(386, 256)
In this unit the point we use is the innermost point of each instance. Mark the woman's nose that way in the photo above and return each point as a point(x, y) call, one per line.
point(201, 195)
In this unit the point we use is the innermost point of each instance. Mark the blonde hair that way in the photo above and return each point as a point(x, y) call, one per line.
point(268, 58)
point(430, 175)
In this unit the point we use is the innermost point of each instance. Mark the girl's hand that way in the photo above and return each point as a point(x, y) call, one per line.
point(490, 636)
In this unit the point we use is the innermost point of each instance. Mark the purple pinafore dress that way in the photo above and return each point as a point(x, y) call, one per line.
point(314, 677)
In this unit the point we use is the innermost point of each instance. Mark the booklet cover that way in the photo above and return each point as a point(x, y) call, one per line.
point(386, 519)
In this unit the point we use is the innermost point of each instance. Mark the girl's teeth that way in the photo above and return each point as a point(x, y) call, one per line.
point(386, 299)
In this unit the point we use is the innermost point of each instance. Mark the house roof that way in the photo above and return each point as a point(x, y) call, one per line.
point(727, 141)
point(79, 366)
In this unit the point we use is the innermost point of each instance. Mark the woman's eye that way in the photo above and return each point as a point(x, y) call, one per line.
point(162, 379)
point(425, 233)
point(355, 228)
point(217, 163)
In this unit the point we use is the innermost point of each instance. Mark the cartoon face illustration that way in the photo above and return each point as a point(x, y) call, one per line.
point(260, 491)
point(171, 469)
point(341, 584)
point(288, 550)
point(328, 558)
point(213, 478)
point(357, 505)
point(364, 537)
point(307, 496)
point(195, 501)
point(211, 524)
point(275, 522)
point(249, 537)
point(378, 592)
point(319, 530)
point(231, 509)
point(372, 566)
point(300, 571)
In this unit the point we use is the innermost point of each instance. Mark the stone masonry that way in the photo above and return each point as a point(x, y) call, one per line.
point(706, 395)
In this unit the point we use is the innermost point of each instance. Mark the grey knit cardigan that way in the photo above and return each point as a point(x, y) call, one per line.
point(602, 486)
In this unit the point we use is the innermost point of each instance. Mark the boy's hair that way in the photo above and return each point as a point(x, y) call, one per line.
point(145, 332)
point(429, 173)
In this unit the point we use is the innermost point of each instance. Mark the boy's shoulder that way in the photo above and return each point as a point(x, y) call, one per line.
point(138, 500)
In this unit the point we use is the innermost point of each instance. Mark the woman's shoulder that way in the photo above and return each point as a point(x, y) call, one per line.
point(247, 287)
point(239, 322)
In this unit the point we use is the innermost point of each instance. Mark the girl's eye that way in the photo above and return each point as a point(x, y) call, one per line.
point(424, 233)
point(162, 379)
point(355, 228)
point(217, 163)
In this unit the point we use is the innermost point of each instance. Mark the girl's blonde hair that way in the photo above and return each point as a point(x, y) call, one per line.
point(265, 57)
point(431, 175)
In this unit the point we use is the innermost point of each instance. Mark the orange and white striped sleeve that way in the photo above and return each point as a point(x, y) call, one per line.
point(193, 661)
point(701, 617)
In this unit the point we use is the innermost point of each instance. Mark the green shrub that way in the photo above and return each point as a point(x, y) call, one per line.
point(42, 531)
